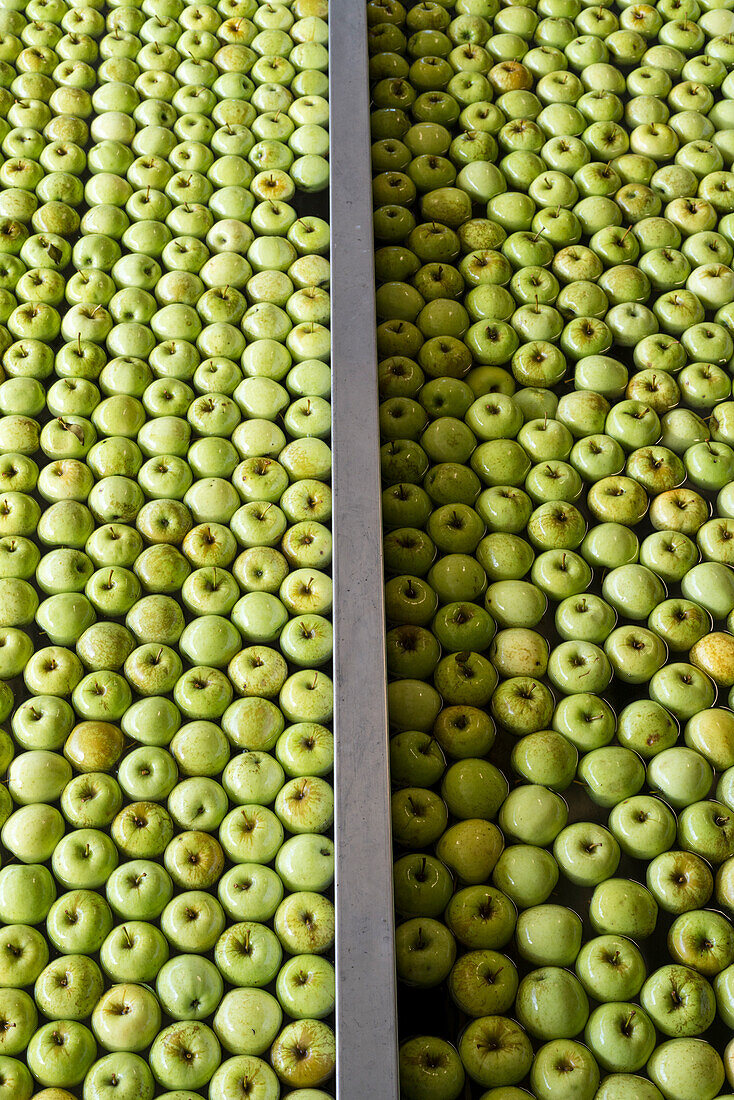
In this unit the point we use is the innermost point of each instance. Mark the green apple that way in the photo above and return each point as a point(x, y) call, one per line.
point(551, 1002)
point(429, 1067)
point(126, 1018)
point(61, 1053)
point(69, 988)
point(185, 1055)
point(527, 875)
point(687, 1066)
point(495, 1051)
point(79, 922)
point(564, 1063)
point(548, 935)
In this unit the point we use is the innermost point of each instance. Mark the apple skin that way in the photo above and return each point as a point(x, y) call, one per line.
point(483, 983)
point(429, 1067)
point(126, 1018)
point(680, 881)
point(627, 1086)
point(65, 1071)
point(185, 1054)
point(555, 1061)
point(495, 1051)
point(621, 1036)
point(20, 1018)
point(69, 987)
point(317, 1066)
point(526, 874)
point(549, 935)
point(702, 939)
point(256, 1074)
point(687, 1067)
point(611, 968)
point(679, 1001)
point(551, 1002)
point(425, 952)
point(79, 922)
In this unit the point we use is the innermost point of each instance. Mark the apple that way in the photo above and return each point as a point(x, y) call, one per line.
point(692, 1063)
point(495, 1051)
point(562, 1060)
point(481, 917)
point(37, 776)
point(61, 1053)
point(133, 952)
point(84, 859)
point(68, 988)
point(27, 892)
point(551, 1001)
point(621, 1036)
point(679, 1000)
point(263, 1015)
point(305, 749)
point(24, 956)
point(425, 951)
point(701, 940)
point(185, 1054)
point(705, 829)
point(611, 775)
point(304, 1054)
point(79, 922)
point(31, 833)
point(142, 830)
point(548, 935)
point(722, 987)
point(244, 1071)
point(248, 954)
point(192, 922)
point(431, 1068)
point(304, 923)
point(708, 733)
point(643, 825)
point(120, 1069)
point(126, 1018)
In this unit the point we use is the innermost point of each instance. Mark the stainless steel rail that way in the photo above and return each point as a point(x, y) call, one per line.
point(365, 1006)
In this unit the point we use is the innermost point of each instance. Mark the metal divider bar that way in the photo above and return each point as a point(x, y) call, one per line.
point(365, 967)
